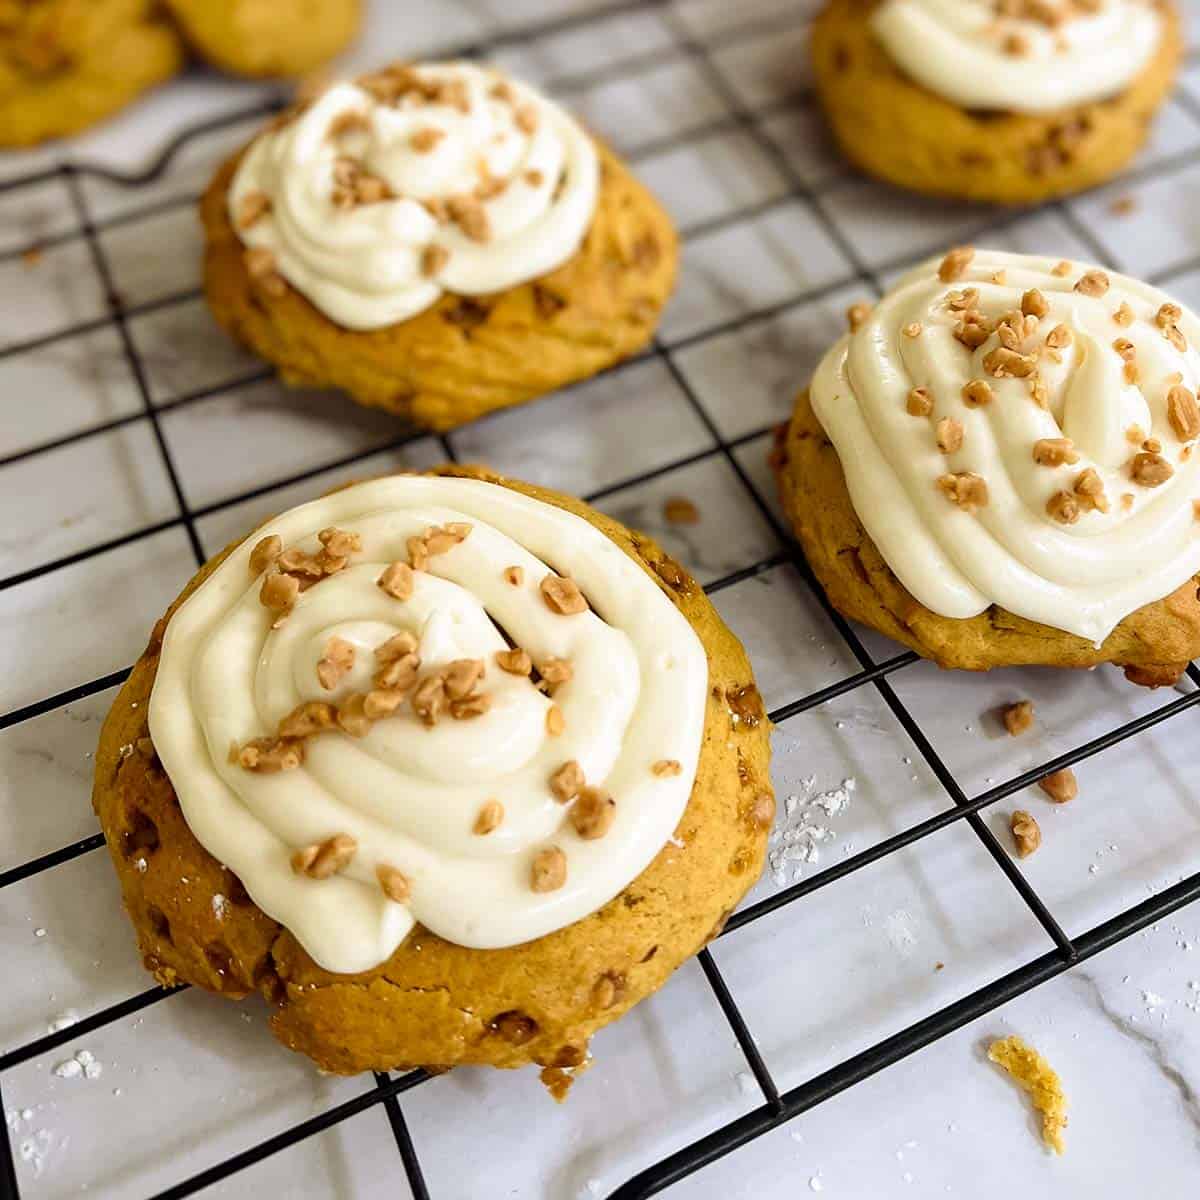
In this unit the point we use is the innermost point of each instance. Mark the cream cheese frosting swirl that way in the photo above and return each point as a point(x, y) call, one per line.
point(1032, 56)
point(465, 825)
point(442, 177)
point(1020, 431)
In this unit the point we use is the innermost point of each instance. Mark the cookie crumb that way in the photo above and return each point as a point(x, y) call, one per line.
point(1034, 1075)
point(1060, 785)
point(1027, 834)
point(679, 510)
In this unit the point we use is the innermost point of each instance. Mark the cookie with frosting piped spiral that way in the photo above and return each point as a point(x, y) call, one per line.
point(438, 240)
point(996, 466)
point(1009, 101)
point(450, 768)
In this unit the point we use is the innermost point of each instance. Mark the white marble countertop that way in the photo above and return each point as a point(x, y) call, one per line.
point(710, 101)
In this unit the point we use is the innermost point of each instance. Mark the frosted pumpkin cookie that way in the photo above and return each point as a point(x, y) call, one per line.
point(436, 240)
point(450, 768)
point(66, 64)
point(1011, 101)
point(996, 467)
point(267, 37)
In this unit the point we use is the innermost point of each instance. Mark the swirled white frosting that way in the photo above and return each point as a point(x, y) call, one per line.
point(973, 54)
point(1082, 577)
point(368, 266)
point(408, 794)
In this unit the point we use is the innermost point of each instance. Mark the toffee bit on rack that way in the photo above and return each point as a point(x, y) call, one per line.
point(679, 510)
point(1060, 785)
point(1017, 717)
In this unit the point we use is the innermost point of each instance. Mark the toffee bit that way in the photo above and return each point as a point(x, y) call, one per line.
point(488, 818)
point(964, 488)
point(307, 719)
point(679, 510)
point(1089, 487)
point(955, 263)
point(429, 699)
point(279, 592)
point(1063, 507)
point(264, 554)
point(469, 215)
point(949, 435)
point(534, 177)
point(382, 702)
point(461, 676)
point(340, 543)
point(963, 301)
point(1150, 469)
point(393, 882)
point(857, 315)
point(912, 329)
point(1018, 717)
point(667, 766)
point(1054, 452)
point(352, 716)
point(267, 756)
point(398, 646)
point(1168, 314)
point(566, 782)
point(555, 671)
point(1038, 392)
point(919, 402)
point(1001, 362)
point(1034, 304)
point(549, 870)
point(1092, 283)
point(1058, 337)
point(397, 581)
point(593, 813)
point(1183, 413)
point(1124, 315)
point(433, 259)
point(976, 393)
point(398, 674)
point(1060, 785)
point(325, 859)
point(555, 721)
point(252, 206)
point(515, 661)
point(425, 139)
point(1027, 834)
point(526, 118)
point(514, 576)
point(418, 553)
point(562, 595)
point(469, 707)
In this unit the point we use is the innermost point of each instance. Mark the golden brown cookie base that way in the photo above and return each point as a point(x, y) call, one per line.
point(465, 356)
point(72, 63)
point(1153, 644)
point(894, 128)
point(432, 1003)
point(267, 37)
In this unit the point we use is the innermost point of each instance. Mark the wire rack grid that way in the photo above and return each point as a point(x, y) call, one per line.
point(707, 57)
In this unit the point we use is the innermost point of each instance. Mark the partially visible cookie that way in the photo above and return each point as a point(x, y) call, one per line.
point(66, 64)
point(511, 816)
point(267, 37)
point(985, 484)
point(447, 270)
point(1007, 127)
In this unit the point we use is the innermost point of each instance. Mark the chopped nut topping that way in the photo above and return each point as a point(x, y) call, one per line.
point(526, 118)
point(251, 207)
point(912, 329)
point(461, 676)
point(266, 756)
point(1033, 304)
point(1126, 500)
point(398, 674)
point(433, 259)
point(1153, 445)
point(555, 671)
point(856, 315)
point(1027, 836)
point(566, 782)
point(397, 581)
point(555, 721)
point(593, 813)
point(514, 576)
point(949, 435)
point(962, 301)
point(1196, 509)
point(1092, 283)
point(533, 177)
point(549, 871)
point(1124, 315)
point(1064, 507)
point(429, 699)
point(966, 489)
point(976, 393)
point(955, 263)
point(394, 883)
point(382, 702)
point(1150, 469)
point(348, 122)
point(1168, 315)
point(279, 592)
point(418, 553)
point(469, 707)
point(1053, 452)
point(1061, 268)
point(260, 266)
point(1125, 348)
point(1038, 392)
point(562, 595)
point(1060, 785)
point(1089, 487)
point(919, 402)
point(1135, 435)
point(1015, 44)
point(1176, 338)
point(469, 215)
point(515, 661)
point(424, 139)
point(436, 540)
point(265, 553)
point(489, 818)
point(398, 646)
point(307, 719)
point(1183, 413)
point(679, 510)
point(352, 716)
point(1058, 337)
point(1001, 362)
point(667, 766)
point(323, 859)
point(1018, 717)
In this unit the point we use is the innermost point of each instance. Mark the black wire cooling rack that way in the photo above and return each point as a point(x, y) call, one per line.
point(776, 1107)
